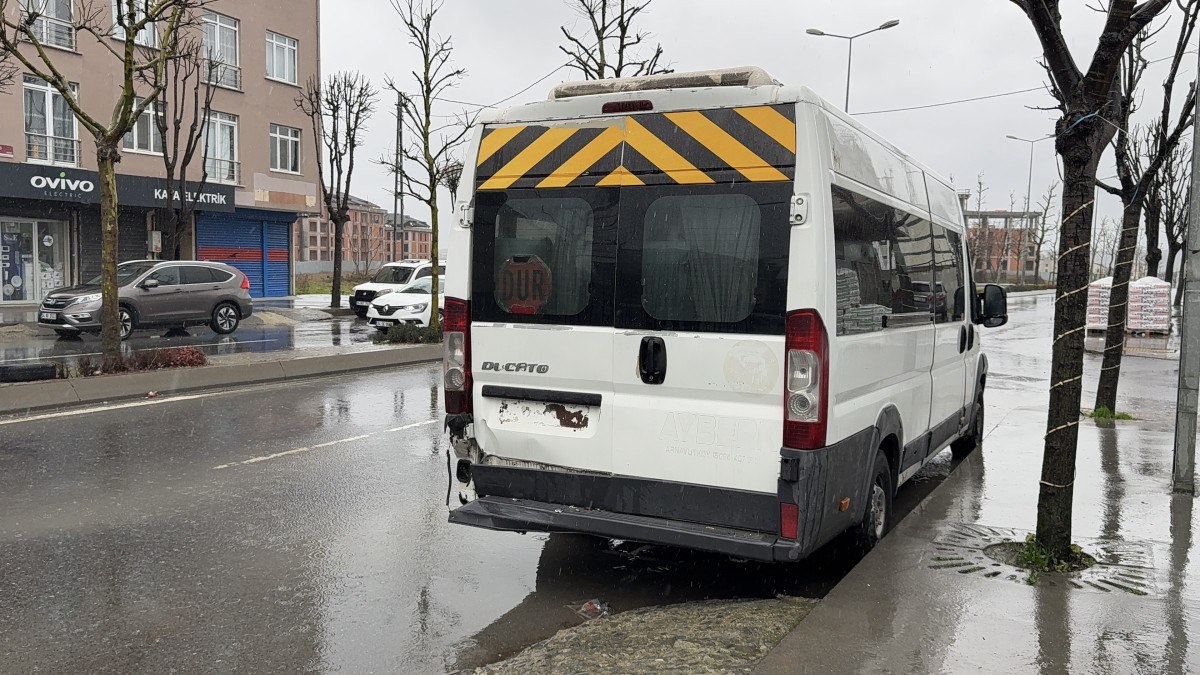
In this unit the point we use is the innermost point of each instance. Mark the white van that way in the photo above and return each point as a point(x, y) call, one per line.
point(704, 310)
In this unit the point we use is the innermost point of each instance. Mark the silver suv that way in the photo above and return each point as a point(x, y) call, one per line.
point(168, 293)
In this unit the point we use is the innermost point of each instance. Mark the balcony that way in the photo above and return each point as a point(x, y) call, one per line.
point(223, 74)
point(223, 171)
point(51, 149)
point(52, 32)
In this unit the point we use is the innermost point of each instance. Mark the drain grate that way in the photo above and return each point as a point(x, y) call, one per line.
point(1121, 566)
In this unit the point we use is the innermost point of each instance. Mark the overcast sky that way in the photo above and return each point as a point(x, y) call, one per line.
point(943, 50)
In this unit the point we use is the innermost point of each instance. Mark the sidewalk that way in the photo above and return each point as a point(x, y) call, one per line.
point(222, 371)
point(928, 600)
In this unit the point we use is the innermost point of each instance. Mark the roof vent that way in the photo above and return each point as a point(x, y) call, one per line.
point(746, 76)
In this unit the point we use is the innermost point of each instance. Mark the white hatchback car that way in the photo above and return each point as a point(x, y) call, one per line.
point(407, 305)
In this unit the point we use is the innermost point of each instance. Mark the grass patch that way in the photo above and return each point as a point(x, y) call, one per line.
point(408, 334)
point(1106, 414)
point(1030, 555)
point(322, 283)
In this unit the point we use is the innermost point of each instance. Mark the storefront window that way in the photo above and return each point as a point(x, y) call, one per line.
point(33, 259)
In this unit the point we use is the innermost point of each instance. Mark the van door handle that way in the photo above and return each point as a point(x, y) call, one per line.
point(652, 360)
point(962, 339)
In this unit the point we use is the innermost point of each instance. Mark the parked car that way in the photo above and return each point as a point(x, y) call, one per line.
point(391, 277)
point(410, 304)
point(169, 293)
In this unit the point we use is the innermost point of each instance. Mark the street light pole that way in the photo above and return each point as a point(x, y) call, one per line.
point(396, 198)
point(1184, 465)
point(1029, 188)
point(850, 49)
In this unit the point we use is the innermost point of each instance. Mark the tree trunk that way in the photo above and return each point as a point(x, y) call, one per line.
point(435, 321)
point(1153, 229)
point(1056, 490)
point(1118, 306)
point(1037, 263)
point(335, 294)
point(110, 329)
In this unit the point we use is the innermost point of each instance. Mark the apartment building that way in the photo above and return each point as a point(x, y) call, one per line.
point(414, 240)
point(366, 239)
point(1003, 244)
point(261, 160)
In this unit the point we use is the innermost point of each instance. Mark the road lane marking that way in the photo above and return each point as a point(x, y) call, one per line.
point(411, 426)
point(106, 408)
point(297, 451)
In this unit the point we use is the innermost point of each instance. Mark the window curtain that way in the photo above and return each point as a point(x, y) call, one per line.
point(721, 234)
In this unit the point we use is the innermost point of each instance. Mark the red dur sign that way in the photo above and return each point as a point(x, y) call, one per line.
point(523, 285)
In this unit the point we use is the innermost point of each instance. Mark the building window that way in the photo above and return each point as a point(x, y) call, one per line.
point(53, 23)
point(285, 149)
point(281, 57)
point(222, 58)
point(51, 131)
point(147, 36)
point(145, 135)
point(221, 149)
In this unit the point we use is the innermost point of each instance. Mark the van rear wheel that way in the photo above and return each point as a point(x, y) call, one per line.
point(967, 444)
point(878, 517)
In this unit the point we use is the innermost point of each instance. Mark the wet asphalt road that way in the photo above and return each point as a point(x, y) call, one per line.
point(249, 337)
point(301, 527)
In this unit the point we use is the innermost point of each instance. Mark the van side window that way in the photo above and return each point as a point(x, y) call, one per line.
point(700, 257)
point(884, 268)
point(949, 270)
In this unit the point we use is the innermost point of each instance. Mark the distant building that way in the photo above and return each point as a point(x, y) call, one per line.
point(414, 240)
point(366, 238)
point(1002, 245)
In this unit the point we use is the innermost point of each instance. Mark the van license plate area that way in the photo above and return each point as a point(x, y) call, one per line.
point(538, 415)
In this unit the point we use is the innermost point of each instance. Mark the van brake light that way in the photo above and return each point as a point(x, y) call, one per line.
point(456, 362)
point(806, 394)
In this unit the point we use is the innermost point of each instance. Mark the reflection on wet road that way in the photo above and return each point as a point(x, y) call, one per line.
point(302, 526)
point(335, 332)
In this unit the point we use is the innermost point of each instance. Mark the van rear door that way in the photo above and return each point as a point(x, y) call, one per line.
point(541, 310)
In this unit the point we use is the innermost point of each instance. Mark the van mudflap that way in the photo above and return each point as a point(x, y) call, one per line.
point(523, 515)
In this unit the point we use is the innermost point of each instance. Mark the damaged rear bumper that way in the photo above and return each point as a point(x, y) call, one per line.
point(523, 515)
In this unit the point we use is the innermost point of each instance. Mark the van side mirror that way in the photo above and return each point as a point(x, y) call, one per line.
point(149, 283)
point(995, 306)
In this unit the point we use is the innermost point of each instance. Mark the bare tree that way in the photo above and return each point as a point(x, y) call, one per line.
point(25, 41)
point(981, 235)
point(1135, 173)
point(435, 143)
point(1170, 200)
point(1086, 101)
point(608, 47)
point(338, 110)
point(181, 117)
point(451, 175)
point(1040, 232)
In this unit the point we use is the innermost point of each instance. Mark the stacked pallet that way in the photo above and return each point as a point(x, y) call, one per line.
point(1099, 292)
point(1149, 306)
point(852, 315)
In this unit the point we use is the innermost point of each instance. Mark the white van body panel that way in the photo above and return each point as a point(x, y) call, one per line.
point(716, 421)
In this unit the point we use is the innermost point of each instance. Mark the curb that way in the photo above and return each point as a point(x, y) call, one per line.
point(31, 396)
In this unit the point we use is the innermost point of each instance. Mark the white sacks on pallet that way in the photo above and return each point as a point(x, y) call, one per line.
point(1149, 306)
point(1099, 292)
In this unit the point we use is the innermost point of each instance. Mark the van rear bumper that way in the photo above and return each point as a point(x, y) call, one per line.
point(524, 515)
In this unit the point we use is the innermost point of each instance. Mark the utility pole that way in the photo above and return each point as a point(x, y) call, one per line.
point(1184, 471)
point(397, 220)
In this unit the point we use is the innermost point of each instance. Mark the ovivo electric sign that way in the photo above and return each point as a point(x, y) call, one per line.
point(62, 182)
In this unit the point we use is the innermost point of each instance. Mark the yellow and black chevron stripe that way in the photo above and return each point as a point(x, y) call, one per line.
point(695, 147)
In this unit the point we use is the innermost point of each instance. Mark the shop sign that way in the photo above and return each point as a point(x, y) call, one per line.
point(52, 183)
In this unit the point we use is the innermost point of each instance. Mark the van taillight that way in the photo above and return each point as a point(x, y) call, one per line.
point(456, 363)
point(806, 395)
point(245, 283)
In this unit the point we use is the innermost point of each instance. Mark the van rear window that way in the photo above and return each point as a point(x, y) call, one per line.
point(700, 257)
point(542, 256)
